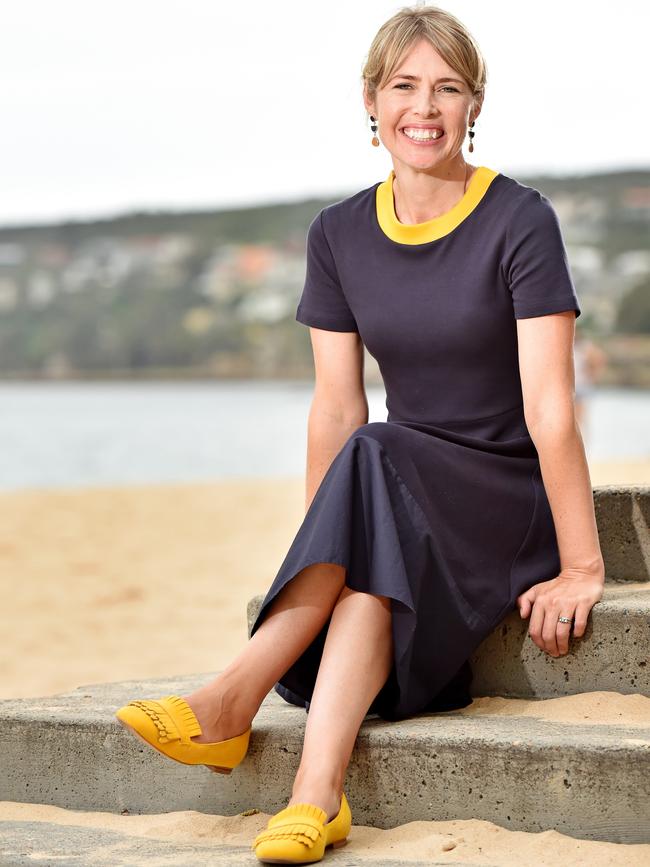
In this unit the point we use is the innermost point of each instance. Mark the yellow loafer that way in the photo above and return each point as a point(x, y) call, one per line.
point(168, 723)
point(299, 834)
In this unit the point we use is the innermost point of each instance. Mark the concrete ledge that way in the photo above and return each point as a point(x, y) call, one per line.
point(587, 781)
point(623, 518)
point(613, 654)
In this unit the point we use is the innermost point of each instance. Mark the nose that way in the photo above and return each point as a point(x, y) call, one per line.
point(425, 103)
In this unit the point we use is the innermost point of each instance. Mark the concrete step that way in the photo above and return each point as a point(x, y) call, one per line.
point(589, 781)
point(623, 519)
point(613, 654)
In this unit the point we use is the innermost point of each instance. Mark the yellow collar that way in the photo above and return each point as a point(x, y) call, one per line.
point(420, 233)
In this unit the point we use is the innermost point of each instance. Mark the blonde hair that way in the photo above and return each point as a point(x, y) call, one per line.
point(450, 38)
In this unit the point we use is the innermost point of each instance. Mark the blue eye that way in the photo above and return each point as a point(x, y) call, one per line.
point(446, 87)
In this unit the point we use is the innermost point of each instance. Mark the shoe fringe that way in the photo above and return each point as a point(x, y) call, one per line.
point(159, 713)
point(300, 831)
point(187, 716)
point(303, 822)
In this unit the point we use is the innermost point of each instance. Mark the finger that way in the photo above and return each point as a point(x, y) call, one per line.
point(536, 623)
point(580, 619)
point(562, 634)
point(549, 630)
point(526, 603)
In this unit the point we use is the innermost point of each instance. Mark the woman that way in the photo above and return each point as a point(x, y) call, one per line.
point(421, 532)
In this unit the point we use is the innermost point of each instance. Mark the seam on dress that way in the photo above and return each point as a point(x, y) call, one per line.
point(550, 304)
point(333, 321)
point(508, 224)
point(454, 588)
point(419, 246)
point(338, 276)
point(463, 420)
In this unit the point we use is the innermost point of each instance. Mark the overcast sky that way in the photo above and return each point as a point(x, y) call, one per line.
point(108, 107)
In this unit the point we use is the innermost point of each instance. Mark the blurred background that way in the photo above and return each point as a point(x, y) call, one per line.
point(161, 163)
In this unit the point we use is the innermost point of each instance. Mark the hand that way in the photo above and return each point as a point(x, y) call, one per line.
point(572, 594)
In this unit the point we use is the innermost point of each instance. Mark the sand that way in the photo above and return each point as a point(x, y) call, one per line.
point(102, 581)
point(457, 841)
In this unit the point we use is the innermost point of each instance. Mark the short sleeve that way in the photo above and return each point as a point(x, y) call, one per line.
point(322, 303)
point(535, 263)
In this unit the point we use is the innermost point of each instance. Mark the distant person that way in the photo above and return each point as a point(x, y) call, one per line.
point(421, 532)
point(589, 361)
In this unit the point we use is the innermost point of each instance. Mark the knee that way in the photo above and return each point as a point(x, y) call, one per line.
point(373, 427)
point(384, 601)
point(375, 430)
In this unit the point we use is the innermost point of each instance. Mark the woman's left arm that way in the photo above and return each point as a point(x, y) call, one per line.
point(547, 380)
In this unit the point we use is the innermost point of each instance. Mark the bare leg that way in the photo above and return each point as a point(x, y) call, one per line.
point(226, 706)
point(356, 662)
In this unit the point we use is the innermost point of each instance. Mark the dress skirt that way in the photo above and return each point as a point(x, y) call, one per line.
point(450, 524)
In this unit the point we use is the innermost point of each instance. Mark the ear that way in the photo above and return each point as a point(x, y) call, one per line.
point(476, 108)
point(369, 104)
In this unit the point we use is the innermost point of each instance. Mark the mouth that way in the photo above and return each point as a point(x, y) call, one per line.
point(422, 135)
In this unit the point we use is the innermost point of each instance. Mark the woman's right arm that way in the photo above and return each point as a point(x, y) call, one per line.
point(339, 405)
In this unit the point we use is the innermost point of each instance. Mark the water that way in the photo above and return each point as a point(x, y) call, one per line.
point(69, 435)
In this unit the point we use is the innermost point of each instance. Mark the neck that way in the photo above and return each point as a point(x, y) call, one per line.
point(419, 196)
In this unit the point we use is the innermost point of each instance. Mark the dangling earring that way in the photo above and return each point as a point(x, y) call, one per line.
point(471, 136)
point(373, 127)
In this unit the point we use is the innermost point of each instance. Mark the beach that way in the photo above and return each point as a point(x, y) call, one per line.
point(121, 583)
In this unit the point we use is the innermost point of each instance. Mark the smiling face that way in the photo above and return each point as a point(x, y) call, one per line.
point(418, 99)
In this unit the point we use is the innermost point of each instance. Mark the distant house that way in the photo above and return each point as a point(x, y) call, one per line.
point(635, 203)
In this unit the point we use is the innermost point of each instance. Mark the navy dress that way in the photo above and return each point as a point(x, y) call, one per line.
point(442, 506)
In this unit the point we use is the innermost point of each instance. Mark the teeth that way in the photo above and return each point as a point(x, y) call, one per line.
point(422, 134)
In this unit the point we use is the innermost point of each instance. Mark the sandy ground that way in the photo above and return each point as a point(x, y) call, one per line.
point(100, 583)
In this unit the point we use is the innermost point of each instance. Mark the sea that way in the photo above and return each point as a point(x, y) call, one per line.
point(102, 434)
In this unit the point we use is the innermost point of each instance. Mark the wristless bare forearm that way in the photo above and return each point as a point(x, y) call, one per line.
point(565, 474)
point(325, 438)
